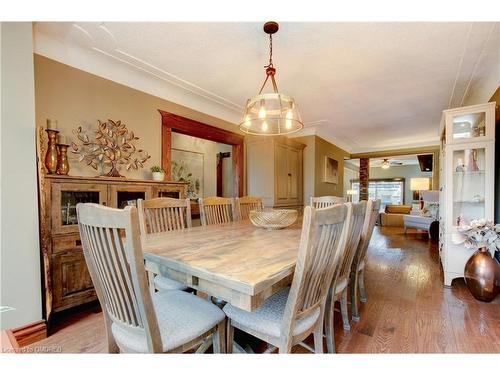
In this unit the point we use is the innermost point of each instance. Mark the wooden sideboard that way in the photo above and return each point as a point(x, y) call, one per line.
point(67, 282)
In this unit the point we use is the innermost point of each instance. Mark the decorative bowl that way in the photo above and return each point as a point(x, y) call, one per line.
point(273, 219)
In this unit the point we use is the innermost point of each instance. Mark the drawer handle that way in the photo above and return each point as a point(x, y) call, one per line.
point(78, 242)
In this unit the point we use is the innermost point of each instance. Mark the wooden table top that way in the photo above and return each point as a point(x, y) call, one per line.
point(237, 255)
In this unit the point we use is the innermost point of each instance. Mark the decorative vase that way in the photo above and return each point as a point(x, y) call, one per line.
point(62, 159)
point(158, 176)
point(482, 275)
point(51, 155)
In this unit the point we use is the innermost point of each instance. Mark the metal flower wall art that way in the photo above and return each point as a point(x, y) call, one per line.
point(112, 144)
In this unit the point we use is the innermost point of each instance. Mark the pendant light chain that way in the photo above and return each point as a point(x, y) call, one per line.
point(270, 52)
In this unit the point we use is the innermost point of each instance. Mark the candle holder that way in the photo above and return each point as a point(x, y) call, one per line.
point(51, 155)
point(62, 159)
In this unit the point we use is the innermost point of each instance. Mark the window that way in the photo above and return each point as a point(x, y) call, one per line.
point(388, 191)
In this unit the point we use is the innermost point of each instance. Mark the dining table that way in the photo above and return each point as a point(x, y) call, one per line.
point(235, 262)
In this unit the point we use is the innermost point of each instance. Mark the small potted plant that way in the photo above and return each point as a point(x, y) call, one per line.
point(158, 173)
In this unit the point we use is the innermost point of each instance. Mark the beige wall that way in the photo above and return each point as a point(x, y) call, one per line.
point(314, 156)
point(322, 149)
point(77, 98)
point(20, 253)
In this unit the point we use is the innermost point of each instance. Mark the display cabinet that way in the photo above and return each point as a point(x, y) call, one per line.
point(466, 179)
point(67, 282)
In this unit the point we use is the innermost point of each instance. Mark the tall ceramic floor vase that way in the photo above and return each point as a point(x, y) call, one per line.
point(482, 275)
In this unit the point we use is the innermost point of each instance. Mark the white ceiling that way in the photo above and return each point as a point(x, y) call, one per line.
point(364, 86)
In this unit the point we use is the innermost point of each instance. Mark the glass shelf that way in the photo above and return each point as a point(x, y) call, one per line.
point(468, 189)
point(471, 125)
point(468, 173)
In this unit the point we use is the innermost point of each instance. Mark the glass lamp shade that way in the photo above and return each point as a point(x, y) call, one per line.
point(271, 114)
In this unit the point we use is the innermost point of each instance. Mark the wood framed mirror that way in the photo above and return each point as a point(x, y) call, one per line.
point(174, 123)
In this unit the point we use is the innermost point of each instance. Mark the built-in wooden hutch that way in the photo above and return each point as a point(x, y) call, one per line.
point(67, 282)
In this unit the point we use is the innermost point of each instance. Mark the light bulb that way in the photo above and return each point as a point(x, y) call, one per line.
point(247, 121)
point(262, 112)
point(288, 121)
point(264, 126)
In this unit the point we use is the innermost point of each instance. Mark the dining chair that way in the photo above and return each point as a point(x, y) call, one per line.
point(338, 289)
point(246, 204)
point(216, 210)
point(326, 201)
point(358, 265)
point(293, 313)
point(160, 215)
point(136, 320)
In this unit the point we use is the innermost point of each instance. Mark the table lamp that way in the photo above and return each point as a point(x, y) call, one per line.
point(350, 193)
point(419, 184)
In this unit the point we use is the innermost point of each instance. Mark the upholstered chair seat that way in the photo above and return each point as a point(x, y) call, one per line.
point(267, 318)
point(341, 285)
point(361, 265)
point(164, 283)
point(182, 317)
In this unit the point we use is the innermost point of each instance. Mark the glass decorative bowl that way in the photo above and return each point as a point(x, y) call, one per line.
point(273, 219)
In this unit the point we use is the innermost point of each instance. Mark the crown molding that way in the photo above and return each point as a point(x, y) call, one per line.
point(319, 129)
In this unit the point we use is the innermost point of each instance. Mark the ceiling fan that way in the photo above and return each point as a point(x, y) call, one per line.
point(386, 163)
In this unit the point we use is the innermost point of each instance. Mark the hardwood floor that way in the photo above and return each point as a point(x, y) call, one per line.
point(408, 309)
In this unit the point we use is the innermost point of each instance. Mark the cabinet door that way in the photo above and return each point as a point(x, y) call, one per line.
point(281, 174)
point(124, 195)
point(65, 197)
point(170, 191)
point(470, 182)
point(71, 282)
point(293, 166)
point(470, 124)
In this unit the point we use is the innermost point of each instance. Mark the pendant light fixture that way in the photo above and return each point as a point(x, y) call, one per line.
point(271, 113)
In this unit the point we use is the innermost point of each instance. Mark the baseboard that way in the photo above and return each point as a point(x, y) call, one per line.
point(9, 342)
point(28, 334)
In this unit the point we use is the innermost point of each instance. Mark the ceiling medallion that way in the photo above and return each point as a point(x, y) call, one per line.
point(271, 113)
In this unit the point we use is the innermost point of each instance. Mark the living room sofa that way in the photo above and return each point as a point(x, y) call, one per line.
point(394, 215)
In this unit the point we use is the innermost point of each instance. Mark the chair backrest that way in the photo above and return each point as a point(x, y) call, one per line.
point(323, 235)
point(116, 266)
point(247, 204)
point(216, 210)
point(372, 211)
point(358, 211)
point(163, 214)
point(326, 201)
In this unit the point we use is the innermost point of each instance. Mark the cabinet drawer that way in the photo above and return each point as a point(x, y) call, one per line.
point(66, 243)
